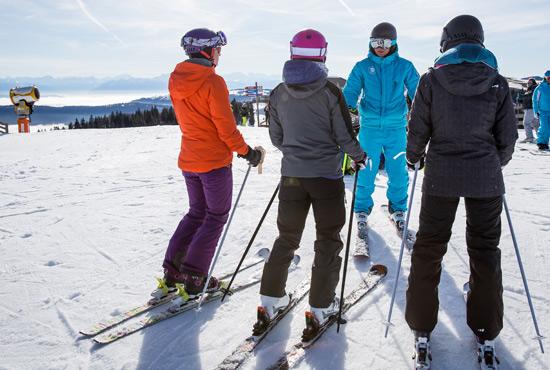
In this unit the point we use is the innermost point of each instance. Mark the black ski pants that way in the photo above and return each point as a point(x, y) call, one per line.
point(483, 227)
point(296, 195)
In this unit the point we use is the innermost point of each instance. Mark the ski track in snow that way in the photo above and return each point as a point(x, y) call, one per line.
point(85, 217)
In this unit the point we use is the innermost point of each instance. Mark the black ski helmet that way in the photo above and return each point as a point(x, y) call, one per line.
point(462, 28)
point(384, 30)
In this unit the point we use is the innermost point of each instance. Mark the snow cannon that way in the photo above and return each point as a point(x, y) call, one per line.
point(23, 99)
point(29, 95)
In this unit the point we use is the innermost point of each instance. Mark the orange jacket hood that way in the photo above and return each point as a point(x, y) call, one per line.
point(187, 79)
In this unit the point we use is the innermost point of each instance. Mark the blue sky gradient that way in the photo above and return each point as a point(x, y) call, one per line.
point(141, 37)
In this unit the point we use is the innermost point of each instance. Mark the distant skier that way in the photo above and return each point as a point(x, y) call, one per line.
point(463, 110)
point(529, 118)
point(380, 81)
point(310, 124)
point(209, 136)
point(541, 106)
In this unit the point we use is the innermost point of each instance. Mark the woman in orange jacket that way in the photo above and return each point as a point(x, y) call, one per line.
point(209, 138)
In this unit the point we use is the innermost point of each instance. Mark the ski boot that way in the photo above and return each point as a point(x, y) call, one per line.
point(422, 354)
point(397, 218)
point(268, 310)
point(543, 147)
point(317, 317)
point(486, 355)
point(165, 287)
point(194, 282)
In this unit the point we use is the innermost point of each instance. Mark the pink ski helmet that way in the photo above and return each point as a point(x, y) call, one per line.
point(309, 44)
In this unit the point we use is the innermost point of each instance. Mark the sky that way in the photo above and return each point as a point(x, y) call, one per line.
point(141, 38)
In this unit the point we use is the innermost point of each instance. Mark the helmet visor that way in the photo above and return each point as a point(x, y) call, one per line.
point(382, 43)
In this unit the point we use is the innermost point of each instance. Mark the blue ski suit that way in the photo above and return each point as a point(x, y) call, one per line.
point(541, 107)
point(380, 84)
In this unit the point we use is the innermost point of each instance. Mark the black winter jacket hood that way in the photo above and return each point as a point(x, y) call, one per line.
point(466, 79)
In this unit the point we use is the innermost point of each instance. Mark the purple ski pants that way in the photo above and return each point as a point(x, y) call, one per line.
point(194, 242)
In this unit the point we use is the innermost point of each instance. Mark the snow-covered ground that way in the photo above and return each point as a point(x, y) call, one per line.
point(85, 217)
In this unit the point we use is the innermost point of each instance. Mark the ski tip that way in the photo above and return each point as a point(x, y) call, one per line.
point(378, 270)
point(263, 253)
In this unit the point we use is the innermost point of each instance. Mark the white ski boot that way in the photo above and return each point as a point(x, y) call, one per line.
point(323, 314)
point(486, 355)
point(422, 353)
point(273, 305)
point(317, 317)
point(398, 219)
point(267, 310)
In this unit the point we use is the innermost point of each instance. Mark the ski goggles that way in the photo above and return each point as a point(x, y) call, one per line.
point(194, 43)
point(382, 43)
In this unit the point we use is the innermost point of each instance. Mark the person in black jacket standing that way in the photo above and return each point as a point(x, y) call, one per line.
point(463, 109)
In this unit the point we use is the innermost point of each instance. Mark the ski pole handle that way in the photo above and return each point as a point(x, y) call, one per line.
point(261, 164)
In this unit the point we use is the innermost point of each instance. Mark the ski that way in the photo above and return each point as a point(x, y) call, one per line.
point(244, 350)
point(361, 250)
point(104, 325)
point(167, 313)
point(545, 152)
point(411, 234)
point(296, 354)
point(177, 307)
point(485, 353)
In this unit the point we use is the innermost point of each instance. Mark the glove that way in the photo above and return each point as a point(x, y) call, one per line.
point(353, 111)
point(361, 164)
point(253, 156)
point(420, 164)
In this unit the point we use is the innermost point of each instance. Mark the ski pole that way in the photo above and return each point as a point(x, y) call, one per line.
point(405, 232)
point(213, 264)
point(347, 249)
point(251, 240)
point(539, 337)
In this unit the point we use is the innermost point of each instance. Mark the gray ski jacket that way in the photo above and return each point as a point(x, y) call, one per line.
point(310, 123)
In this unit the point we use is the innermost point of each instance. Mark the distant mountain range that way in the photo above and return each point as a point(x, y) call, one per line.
point(44, 114)
point(49, 85)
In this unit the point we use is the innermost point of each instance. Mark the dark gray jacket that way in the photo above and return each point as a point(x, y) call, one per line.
point(466, 113)
point(309, 122)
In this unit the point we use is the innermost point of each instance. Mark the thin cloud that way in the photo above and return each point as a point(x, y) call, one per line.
point(350, 11)
point(96, 21)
